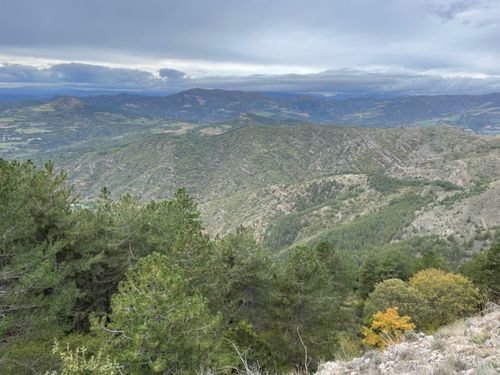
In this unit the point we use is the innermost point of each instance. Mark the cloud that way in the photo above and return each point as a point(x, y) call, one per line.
point(171, 74)
point(297, 35)
point(75, 74)
point(479, 13)
point(410, 46)
point(167, 80)
point(11, 73)
point(101, 76)
point(356, 82)
point(450, 11)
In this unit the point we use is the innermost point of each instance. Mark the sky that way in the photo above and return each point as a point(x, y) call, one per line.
point(329, 47)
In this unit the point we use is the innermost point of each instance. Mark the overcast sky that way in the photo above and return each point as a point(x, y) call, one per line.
point(329, 46)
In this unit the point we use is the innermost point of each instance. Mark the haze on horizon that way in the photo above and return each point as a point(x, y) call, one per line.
point(360, 47)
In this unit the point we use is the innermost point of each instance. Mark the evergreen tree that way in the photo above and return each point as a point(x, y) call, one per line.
point(37, 291)
point(484, 271)
point(158, 326)
point(306, 310)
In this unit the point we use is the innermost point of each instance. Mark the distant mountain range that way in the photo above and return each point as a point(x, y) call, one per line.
point(480, 113)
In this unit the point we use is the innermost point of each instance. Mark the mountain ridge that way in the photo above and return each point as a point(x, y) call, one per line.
point(479, 113)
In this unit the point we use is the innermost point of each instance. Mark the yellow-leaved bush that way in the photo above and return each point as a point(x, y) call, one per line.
point(450, 296)
point(387, 328)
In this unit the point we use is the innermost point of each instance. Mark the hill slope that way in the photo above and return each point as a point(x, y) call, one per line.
point(296, 184)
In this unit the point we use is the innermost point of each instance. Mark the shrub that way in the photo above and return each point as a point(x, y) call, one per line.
point(395, 292)
point(450, 296)
point(79, 362)
point(387, 328)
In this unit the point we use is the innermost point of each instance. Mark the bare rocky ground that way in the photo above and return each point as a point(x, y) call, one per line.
point(466, 347)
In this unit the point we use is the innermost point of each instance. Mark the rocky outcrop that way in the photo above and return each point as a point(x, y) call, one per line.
point(468, 347)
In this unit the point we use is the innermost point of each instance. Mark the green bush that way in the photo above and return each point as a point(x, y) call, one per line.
point(396, 292)
point(450, 296)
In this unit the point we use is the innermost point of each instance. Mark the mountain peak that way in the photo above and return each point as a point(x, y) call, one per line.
point(64, 103)
point(60, 103)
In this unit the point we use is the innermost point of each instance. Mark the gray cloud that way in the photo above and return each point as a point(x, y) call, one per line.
point(341, 81)
point(449, 11)
point(74, 74)
point(171, 74)
point(478, 13)
point(350, 41)
point(14, 73)
point(322, 34)
point(359, 82)
point(99, 75)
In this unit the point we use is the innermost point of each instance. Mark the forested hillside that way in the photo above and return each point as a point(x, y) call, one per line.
point(298, 184)
point(139, 287)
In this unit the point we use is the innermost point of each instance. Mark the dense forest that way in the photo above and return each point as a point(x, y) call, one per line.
point(123, 286)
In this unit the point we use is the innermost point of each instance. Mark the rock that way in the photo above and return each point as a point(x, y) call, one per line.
point(472, 347)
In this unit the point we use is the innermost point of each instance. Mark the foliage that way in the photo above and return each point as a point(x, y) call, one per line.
point(484, 271)
point(387, 184)
point(429, 252)
point(343, 272)
point(450, 296)
point(377, 229)
point(430, 260)
point(317, 193)
point(283, 232)
point(78, 362)
point(37, 290)
point(243, 280)
point(387, 328)
point(446, 185)
point(28, 354)
point(379, 266)
point(115, 234)
point(306, 308)
point(157, 326)
point(397, 293)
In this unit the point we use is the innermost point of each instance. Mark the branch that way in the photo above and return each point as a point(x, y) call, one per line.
point(306, 361)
